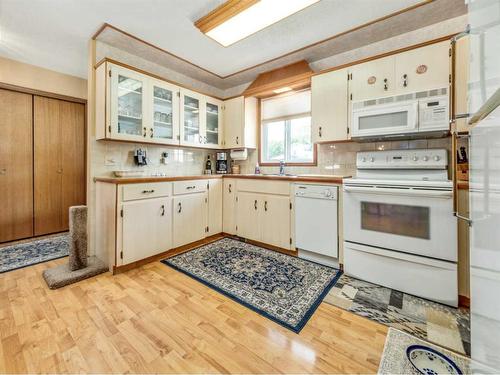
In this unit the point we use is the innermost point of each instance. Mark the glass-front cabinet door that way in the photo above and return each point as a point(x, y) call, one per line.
point(191, 126)
point(165, 113)
point(213, 116)
point(128, 104)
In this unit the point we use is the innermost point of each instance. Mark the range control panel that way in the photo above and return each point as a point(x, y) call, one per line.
point(403, 159)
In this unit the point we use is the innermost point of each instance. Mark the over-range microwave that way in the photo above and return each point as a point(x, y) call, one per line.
point(415, 114)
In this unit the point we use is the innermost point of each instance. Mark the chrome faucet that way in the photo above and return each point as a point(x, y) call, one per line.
point(282, 167)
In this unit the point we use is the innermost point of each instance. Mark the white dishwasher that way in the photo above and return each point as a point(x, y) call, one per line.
point(316, 223)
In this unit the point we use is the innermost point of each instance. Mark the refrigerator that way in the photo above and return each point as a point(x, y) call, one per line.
point(484, 183)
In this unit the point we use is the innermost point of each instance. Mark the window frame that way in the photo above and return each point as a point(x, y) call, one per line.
point(263, 143)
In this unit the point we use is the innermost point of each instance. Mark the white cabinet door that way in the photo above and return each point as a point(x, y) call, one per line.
point(146, 228)
point(373, 79)
point(212, 137)
point(189, 218)
point(128, 108)
point(329, 105)
point(229, 206)
point(248, 210)
point(423, 68)
point(164, 127)
point(234, 122)
point(192, 121)
point(214, 206)
point(275, 221)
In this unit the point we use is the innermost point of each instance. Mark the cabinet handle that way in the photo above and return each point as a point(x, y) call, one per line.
point(200, 139)
point(151, 133)
point(230, 188)
point(60, 170)
point(162, 210)
point(265, 206)
point(320, 132)
point(255, 204)
point(190, 187)
point(3, 171)
point(148, 191)
point(237, 140)
point(145, 132)
point(180, 208)
point(405, 80)
point(386, 85)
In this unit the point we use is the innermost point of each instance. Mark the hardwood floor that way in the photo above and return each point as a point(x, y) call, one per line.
point(154, 319)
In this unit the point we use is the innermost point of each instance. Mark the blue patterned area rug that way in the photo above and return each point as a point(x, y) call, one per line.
point(33, 252)
point(280, 287)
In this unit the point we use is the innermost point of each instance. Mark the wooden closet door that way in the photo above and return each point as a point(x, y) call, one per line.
point(59, 172)
point(16, 166)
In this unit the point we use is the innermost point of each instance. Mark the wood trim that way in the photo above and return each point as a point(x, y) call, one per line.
point(222, 13)
point(167, 254)
point(464, 301)
point(385, 54)
point(270, 247)
point(46, 94)
point(152, 75)
point(157, 143)
point(106, 25)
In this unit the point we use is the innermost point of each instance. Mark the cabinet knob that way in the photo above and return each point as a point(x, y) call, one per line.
point(60, 170)
point(3, 171)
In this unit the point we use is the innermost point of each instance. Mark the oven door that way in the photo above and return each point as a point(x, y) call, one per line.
point(412, 220)
point(386, 119)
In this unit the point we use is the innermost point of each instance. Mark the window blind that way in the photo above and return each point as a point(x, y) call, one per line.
point(286, 106)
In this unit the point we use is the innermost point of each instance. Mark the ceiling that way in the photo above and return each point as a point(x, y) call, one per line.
point(54, 33)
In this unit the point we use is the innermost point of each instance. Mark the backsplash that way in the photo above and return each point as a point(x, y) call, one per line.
point(340, 158)
point(112, 156)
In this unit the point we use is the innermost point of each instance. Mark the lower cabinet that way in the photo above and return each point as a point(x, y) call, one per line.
point(229, 206)
point(264, 218)
point(146, 228)
point(189, 218)
point(214, 206)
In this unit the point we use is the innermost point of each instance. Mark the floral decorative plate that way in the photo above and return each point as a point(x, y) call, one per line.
point(428, 361)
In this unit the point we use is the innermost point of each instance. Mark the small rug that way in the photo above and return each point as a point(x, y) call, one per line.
point(33, 252)
point(281, 287)
point(427, 320)
point(394, 360)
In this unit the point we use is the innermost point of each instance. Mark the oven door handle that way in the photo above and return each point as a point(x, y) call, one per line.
point(396, 191)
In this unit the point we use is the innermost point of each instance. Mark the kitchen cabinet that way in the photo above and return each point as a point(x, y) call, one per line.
point(461, 80)
point(164, 112)
point(16, 165)
point(275, 221)
point(146, 228)
point(59, 162)
point(240, 123)
point(191, 118)
point(329, 106)
point(212, 133)
point(423, 68)
point(248, 215)
point(189, 218)
point(373, 79)
point(229, 206)
point(215, 187)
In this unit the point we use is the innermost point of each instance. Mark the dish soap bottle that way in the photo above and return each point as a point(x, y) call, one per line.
point(208, 166)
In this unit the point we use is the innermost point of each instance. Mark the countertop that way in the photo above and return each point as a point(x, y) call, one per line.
point(332, 179)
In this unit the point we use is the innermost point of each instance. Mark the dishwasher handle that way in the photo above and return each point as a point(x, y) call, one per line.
point(400, 191)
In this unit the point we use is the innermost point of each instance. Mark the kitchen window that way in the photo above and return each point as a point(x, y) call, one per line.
point(286, 130)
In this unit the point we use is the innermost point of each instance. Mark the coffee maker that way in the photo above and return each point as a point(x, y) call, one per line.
point(221, 164)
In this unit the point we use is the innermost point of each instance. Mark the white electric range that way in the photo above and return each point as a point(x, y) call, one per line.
point(399, 226)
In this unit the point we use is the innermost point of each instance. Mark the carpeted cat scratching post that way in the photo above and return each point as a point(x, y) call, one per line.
point(80, 266)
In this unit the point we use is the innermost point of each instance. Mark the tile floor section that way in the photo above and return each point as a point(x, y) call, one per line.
point(439, 324)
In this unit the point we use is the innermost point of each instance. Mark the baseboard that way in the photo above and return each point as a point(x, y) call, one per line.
point(464, 301)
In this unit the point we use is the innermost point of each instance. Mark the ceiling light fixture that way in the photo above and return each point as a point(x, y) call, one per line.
point(236, 19)
point(281, 90)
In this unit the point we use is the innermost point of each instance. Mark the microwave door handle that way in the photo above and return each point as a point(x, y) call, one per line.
point(397, 191)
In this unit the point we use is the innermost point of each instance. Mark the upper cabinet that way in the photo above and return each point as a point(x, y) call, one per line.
point(240, 122)
point(131, 106)
point(329, 106)
point(415, 70)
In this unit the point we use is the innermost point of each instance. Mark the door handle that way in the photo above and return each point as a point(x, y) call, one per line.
point(386, 85)
point(255, 204)
point(319, 132)
point(265, 206)
point(162, 210)
point(180, 208)
point(466, 219)
point(405, 80)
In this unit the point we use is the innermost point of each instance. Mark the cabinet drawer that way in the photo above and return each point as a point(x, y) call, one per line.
point(264, 187)
point(188, 187)
point(146, 190)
